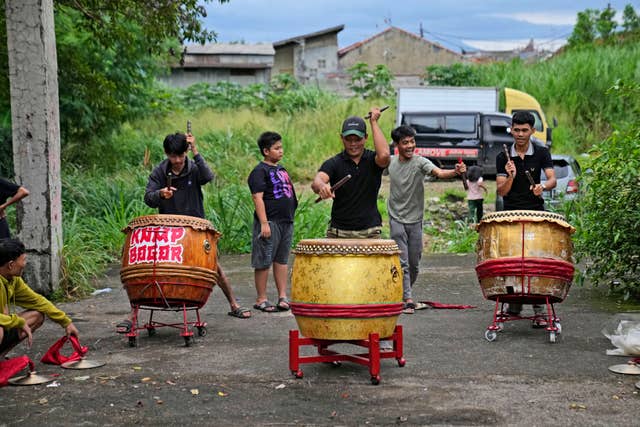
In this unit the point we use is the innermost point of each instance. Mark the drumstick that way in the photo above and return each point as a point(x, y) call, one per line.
point(506, 152)
point(463, 176)
point(337, 185)
point(368, 116)
point(531, 181)
point(189, 130)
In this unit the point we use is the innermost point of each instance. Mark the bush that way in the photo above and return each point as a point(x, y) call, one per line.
point(607, 219)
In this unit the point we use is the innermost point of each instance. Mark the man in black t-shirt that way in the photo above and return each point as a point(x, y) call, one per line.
point(354, 213)
point(10, 193)
point(514, 186)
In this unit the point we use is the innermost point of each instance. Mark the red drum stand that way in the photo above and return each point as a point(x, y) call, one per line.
point(151, 324)
point(500, 316)
point(371, 358)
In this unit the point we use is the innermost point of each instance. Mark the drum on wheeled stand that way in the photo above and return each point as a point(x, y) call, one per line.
point(524, 257)
point(169, 263)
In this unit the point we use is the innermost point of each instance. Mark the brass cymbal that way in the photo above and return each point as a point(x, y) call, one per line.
point(626, 368)
point(82, 364)
point(31, 379)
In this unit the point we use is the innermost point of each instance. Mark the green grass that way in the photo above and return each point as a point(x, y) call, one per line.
point(104, 179)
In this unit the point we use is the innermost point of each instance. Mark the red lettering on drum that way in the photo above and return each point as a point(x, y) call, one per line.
point(177, 233)
point(163, 253)
point(176, 254)
point(156, 244)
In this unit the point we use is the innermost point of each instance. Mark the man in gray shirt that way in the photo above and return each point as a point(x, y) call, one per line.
point(406, 204)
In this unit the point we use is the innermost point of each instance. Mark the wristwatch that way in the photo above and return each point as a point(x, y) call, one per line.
point(544, 188)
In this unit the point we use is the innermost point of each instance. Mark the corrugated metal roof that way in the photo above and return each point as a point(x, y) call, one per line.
point(335, 29)
point(231, 49)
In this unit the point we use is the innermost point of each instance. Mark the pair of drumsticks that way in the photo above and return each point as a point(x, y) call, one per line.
point(526, 172)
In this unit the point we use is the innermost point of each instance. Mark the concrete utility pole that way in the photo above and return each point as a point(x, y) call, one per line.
point(33, 76)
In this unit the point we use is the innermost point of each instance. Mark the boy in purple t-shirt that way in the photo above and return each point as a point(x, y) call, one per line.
point(275, 204)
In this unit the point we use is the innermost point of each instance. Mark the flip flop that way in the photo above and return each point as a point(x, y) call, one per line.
point(239, 312)
point(265, 306)
point(124, 327)
point(421, 306)
point(283, 304)
point(409, 308)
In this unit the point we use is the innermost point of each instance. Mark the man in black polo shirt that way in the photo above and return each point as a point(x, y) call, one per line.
point(354, 213)
point(514, 186)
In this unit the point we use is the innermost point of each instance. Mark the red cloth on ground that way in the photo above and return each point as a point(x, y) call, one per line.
point(434, 304)
point(10, 367)
point(53, 356)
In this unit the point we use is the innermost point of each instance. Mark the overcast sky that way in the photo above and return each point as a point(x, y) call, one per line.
point(483, 24)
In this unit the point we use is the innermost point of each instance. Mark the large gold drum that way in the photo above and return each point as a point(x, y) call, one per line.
point(169, 260)
point(525, 255)
point(346, 289)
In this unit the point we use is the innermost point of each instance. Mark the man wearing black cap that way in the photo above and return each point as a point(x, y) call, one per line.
point(354, 213)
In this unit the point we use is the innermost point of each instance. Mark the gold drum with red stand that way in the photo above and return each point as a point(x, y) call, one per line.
point(346, 289)
point(525, 255)
point(169, 260)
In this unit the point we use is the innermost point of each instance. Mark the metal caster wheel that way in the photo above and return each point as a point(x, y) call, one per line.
point(552, 337)
point(375, 379)
point(187, 341)
point(559, 326)
point(202, 331)
point(402, 362)
point(133, 342)
point(298, 374)
point(490, 335)
point(151, 331)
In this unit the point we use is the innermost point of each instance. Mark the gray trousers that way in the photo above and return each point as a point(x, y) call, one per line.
point(409, 240)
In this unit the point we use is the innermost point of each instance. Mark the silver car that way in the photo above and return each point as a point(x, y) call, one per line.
point(567, 172)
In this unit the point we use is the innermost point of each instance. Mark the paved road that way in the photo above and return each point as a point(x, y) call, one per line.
point(453, 376)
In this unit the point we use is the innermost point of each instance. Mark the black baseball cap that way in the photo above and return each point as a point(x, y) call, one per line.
point(354, 125)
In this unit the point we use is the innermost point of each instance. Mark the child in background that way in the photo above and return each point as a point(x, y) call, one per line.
point(475, 197)
point(275, 204)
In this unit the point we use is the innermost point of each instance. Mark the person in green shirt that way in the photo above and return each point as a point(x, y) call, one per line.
point(14, 292)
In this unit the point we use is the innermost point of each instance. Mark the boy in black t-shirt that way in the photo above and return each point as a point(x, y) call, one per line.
point(275, 204)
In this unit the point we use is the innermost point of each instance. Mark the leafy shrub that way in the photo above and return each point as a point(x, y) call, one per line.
point(607, 220)
point(452, 75)
point(368, 83)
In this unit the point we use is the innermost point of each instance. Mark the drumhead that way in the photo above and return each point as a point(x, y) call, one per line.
point(526, 216)
point(347, 246)
point(170, 221)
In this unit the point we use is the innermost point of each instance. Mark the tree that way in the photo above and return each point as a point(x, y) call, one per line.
point(368, 83)
point(109, 53)
point(630, 21)
point(584, 32)
point(605, 25)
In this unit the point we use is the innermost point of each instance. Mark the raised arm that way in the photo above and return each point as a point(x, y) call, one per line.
point(383, 154)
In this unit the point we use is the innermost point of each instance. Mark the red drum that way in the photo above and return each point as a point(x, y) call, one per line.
point(169, 261)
